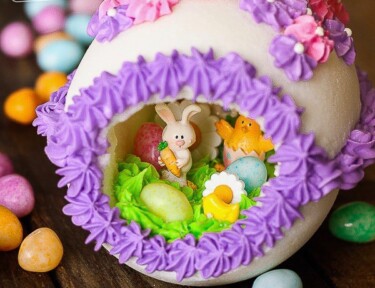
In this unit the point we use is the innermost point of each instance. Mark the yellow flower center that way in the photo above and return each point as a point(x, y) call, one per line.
point(224, 192)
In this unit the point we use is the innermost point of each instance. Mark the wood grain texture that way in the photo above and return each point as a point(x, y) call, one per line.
point(323, 262)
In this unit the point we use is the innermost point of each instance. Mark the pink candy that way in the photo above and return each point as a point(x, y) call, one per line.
point(50, 19)
point(16, 40)
point(6, 166)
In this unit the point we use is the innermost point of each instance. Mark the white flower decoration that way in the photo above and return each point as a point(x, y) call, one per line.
point(207, 138)
point(226, 180)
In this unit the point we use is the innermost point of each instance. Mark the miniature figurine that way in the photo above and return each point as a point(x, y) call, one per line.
point(245, 139)
point(179, 136)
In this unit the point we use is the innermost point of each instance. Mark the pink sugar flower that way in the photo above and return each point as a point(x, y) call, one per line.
point(110, 4)
point(312, 36)
point(149, 10)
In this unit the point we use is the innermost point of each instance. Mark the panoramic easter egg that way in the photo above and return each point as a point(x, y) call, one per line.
point(274, 88)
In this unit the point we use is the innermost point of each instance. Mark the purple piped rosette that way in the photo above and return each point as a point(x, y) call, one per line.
point(305, 172)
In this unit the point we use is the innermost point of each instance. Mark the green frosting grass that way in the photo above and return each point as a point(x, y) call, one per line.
point(134, 175)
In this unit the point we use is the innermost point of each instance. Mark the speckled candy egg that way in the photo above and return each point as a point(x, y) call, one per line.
point(127, 70)
point(146, 143)
point(76, 26)
point(50, 19)
point(16, 40)
point(40, 251)
point(32, 8)
point(10, 230)
point(61, 55)
point(250, 170)
point(280, 278)
point(41, 41)
point(6, 166)
point(16, 194)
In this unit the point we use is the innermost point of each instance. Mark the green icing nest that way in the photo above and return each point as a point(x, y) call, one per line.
point(133, 175)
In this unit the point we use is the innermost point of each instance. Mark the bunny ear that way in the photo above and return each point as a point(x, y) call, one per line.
point(165, 113)
point(189, 112)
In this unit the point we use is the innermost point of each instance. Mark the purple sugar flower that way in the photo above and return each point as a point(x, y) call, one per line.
point(47, 118)
point(352, 170)
point(277, 13)
point(212, 260)
point(165, 75)
point(104, 228)
point(82, 207)
point(182, 257)
point(134, 85)
point(283, 120)
point(198, 71)
point(344, 44)
point(361, 144)
point(289, 55)
point(154, 255)
point(259, 97)
point(130, 243)
point(110, 25)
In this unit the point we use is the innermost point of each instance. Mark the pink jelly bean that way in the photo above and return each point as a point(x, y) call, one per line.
point(16, 194)
point(16, 40)
point(6, 166)
point(50, 19)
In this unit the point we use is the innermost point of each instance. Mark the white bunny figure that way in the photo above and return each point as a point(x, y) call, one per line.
point(180, 136)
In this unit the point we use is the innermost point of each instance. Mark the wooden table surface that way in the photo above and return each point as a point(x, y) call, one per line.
point(323, 262)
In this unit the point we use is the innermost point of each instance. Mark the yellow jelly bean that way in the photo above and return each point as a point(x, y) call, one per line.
point(41, 251)
point(215, 207)
point(10, 230)
point(43, 40)
point(20, 106)
point(49, 82)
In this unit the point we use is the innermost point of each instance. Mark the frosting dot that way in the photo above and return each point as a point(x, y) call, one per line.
point(111, 12)
point(348, 31)
point(299, 48)
point(309, 11)
point(319, 31)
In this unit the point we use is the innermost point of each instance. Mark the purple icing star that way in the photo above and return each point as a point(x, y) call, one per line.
point(344, 44)
point(277, 13)
point(296, 64)
point(154, 255)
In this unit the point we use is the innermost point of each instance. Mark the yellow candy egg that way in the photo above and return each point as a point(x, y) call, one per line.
point(20, 106)
point(49, 82)
point(11, 231)
point(41, 251)
point(43, 40)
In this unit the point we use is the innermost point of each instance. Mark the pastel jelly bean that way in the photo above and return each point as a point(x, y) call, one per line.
point(49, 82)
point(16, 40)
point(146, 142)
point(32, 8)
point(20, 106)
point(16, 194)
point(11, 231)
point(50, 19)
point(167, 202)
point(280, 278)
point(6, 166)
point(61, 55)
point(76, 26)
point(354, 222)
point(41, 251)
point(84, 6)
point(41, 41)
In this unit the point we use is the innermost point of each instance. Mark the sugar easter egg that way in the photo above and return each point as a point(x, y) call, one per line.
point(220, 54)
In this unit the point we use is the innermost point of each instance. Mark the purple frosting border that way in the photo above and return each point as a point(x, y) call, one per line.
point(73, 145)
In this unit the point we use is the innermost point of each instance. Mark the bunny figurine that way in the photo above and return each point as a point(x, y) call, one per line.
point(180, 136)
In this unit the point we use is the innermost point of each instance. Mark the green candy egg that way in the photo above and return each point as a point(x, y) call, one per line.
point(354, 222)
point(167, 202)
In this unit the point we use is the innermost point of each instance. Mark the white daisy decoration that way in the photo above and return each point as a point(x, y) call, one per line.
point(208, 140)
point(228, 187)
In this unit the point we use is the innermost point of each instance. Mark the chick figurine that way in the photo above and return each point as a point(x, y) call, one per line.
point(245, 139)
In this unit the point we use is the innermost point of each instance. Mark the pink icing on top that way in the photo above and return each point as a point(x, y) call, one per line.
point(312, 36)
point(149, 10)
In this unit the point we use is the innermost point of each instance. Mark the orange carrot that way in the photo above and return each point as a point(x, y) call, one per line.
point(169, 159)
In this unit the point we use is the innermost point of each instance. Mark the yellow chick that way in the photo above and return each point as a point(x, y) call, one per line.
point(245, 135)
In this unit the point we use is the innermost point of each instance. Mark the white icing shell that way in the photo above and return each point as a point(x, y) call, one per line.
point(331, 99)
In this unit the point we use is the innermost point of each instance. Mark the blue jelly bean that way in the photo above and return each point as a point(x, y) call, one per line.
point(76, 26)
point(32, 8)
point(61, 55)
